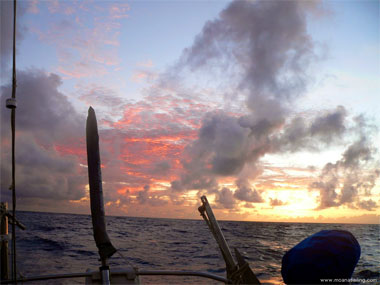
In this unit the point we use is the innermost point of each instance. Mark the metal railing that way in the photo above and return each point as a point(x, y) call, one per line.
point(137, 272)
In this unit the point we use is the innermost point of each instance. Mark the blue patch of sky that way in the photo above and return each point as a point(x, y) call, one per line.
point(349, 74)
point(351, 31)
point(160, 30)
point(32, 52)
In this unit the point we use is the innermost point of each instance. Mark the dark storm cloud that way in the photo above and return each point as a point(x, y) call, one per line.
point(49, 135)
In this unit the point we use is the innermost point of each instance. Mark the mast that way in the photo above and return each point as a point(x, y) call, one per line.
point(11, 104)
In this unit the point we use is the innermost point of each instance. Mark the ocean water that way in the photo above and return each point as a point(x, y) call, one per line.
point(63, 243)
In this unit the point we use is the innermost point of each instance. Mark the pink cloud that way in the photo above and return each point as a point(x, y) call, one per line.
point(90, 47)
point(146, 64)
point(119, 10)
point(152, 140)
point(69, 10)
point(139, 76)
point(54, 6)
point(33, 7)
point(78, 71)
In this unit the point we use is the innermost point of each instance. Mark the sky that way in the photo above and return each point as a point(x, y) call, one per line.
point(269, 108)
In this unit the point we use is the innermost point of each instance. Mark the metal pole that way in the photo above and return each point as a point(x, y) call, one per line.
point(239, 273)
point(4, 242)
point(218, 235)
point(105, 272)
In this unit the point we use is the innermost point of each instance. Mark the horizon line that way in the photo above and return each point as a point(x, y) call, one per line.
point(192, 219)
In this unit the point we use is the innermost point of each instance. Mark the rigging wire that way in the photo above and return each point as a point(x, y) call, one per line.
point(125, 259)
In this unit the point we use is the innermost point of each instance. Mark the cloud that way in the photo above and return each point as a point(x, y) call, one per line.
point(245, 193)
point(33, 7)
point(357, 152)
point(178, 138)
point(119, 10)
point(226, 198)
point(145, 64)
point(142, 148)
point(354, 176)
point(105, 100)
point(266, 44)
point(264, 52)
point(223, 141)
point(141, 75)
point(43, 174)
point(6, 33)
point(145, 197)
point(276, 202)
point(42, 110)
point(86, 46)
point(222, 148)
point(329, 124)
point(368, 205)
point(301, 133)
point(145, 145)
point(46, 125)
